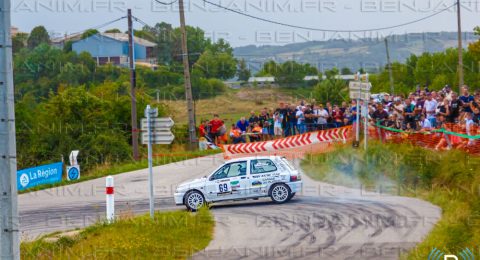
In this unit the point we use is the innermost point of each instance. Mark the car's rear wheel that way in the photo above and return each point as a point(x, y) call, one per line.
point(280, 193)
point(194, 200)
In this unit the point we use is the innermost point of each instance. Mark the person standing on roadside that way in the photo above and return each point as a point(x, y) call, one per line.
point(380, 116)
point(243, 124)
point(291, 121)
point(454, 109)
point(337, 116)
point(466, 99)
point(216, 128)
point(253, 119)
point(300, 115)
point(236, 135)
point(309, 118)
point(322, 118)
point(430, 107)
point(409, 115)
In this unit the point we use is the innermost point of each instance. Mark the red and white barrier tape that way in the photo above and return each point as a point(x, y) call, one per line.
point(293, 142)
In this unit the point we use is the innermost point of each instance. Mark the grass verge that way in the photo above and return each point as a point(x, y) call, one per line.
point(171, 235)
point(105, 170)
point(450, 180)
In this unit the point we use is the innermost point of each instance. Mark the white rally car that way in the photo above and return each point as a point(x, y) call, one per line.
point(240, 179)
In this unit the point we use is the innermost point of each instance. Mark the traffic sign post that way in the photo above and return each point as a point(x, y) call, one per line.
point(155, 131)
point(360, 91)
point(365, 102)
point(357, 121)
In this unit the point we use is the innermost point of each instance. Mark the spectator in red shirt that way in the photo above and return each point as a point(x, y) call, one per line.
point(217, 127)
point(204, 131)
point(337, 116)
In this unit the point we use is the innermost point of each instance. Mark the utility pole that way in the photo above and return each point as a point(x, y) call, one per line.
point(390, 73)
point(186, 71)
point(460, 49)
point(133, 83)
point(365, 124)
point(9, 227)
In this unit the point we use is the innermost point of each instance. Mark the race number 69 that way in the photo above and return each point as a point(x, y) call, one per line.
point(223, 187)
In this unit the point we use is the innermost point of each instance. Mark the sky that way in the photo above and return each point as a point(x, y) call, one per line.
point(69, 16)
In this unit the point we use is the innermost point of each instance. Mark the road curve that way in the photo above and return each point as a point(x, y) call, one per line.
point(325, 221)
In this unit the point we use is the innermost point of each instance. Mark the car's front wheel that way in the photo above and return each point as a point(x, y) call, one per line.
point(280, 193)
point(194, 200)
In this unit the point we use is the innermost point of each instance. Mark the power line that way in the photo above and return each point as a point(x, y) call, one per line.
point(163, 3)
point(98, 26)
point(327, 30)
point(138, 20)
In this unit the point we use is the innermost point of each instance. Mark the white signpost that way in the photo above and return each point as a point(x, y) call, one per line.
point(157, 123)
point(361, 91)
point(155, 131)
point(158, 137)
point(73, 171)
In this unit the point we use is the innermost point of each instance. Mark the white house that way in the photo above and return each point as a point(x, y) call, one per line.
point(309, 78)
point(263, 80)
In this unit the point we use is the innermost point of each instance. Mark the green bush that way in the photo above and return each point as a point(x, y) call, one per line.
point(171, 235)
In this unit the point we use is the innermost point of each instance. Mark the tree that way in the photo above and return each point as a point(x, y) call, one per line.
point(221, 46)
point(346, 71)
point(89, 33)
point(114, 30)
point(269, 68)
point(243, 72)
point(19, 41)
point(288, 72)
point(331, 74)
point(38, 35)
point(216, 65)
point(474, 47)
point(67, 47)
point(196, 44)
point(144, 35)
point(331, 90)
point(162, 33)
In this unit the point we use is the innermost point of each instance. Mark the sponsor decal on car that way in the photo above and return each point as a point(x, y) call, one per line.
point(235, 185)
point(256, 183)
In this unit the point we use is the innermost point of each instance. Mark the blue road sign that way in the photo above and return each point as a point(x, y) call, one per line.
point(73, 173)
point(45, 174)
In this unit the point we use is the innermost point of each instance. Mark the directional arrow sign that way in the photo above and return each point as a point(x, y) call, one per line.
point(164, 123)
point(159, 137)
point(360, 95)
point(360, 86)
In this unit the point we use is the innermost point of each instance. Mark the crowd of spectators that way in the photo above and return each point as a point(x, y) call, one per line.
point(422, 110)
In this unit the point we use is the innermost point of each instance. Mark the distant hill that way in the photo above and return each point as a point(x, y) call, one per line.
point(354, 54)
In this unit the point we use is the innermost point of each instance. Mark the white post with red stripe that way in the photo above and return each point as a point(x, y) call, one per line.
point(109, 191)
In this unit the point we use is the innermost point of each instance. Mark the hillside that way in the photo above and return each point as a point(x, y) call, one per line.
point(367, 53)
point(233, 104)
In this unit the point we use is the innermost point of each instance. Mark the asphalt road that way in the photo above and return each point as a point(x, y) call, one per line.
point(325, 222)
